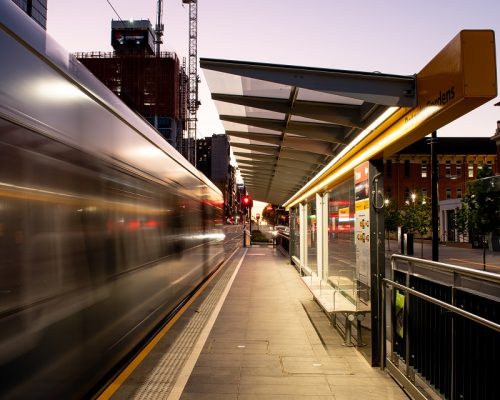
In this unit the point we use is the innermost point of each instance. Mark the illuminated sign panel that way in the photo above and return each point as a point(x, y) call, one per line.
point(458, 79)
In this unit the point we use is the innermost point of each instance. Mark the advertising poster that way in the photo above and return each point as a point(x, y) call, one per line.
point(362, 222)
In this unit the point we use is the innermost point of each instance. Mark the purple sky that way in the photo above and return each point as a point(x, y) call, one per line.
point(390, 36)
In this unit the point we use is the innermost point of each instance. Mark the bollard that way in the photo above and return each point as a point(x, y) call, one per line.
point(347, 339)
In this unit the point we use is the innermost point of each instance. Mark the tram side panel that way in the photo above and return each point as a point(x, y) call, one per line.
point(97, 243)
point(93, 258)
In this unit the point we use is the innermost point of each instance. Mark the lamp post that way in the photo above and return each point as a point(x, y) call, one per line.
point(434, 197)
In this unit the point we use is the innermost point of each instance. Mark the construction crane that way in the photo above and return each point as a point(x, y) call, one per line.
point(193, 79)
point(193, 102)
point(159, 27)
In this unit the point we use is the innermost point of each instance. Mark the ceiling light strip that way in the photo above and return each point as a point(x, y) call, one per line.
point(304, 192)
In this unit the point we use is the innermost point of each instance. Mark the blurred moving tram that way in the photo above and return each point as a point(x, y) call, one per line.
point(104, 227)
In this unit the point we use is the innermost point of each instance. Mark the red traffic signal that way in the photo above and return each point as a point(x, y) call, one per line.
point(246, 201)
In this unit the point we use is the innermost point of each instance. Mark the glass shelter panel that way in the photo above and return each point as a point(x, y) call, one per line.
point(312, 237)
point(341, 269)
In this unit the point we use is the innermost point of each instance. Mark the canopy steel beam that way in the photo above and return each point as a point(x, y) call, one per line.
point(302, 156)
point(260, 137)
point(285, 172)
point(339, 114)
point(327, 132)
point(303, 169)
point(266, 177)
point(309, 145)
point(294, 142)
point(386, 89)
point(282, 163)
point(257, 147)
point(292, 186)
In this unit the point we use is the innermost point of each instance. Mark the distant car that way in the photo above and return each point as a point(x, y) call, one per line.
point(281, 229)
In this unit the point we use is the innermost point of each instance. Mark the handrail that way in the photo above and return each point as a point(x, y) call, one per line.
point(466, 314)
point(474, 273)
point(457, 273)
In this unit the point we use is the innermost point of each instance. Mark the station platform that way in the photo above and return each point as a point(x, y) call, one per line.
point(254, 333)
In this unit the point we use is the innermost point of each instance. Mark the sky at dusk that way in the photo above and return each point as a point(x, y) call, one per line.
point(390, 36)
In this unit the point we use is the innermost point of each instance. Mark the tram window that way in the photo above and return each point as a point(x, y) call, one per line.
point(424, 168)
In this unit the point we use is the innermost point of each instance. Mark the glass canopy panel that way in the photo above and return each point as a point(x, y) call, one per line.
point(298, 118)
point(259, 88)
point(312, 95)
point(230, 109)
point(259, 113)
point(232, 126)
point(220, 82)
point(256, 129)
point(234, 140)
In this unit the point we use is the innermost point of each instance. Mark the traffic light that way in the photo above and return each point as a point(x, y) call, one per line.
point(246, 202)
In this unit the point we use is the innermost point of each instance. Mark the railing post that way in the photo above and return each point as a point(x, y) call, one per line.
point(406, 332)
point(383, 328)
point(347, 339)
point(453, 338)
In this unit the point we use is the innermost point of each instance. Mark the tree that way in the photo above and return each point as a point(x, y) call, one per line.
point(269, 214)
point(460, 221)
point(416, 218)
point(392, 220)
point(275, 215)
point(482, 207)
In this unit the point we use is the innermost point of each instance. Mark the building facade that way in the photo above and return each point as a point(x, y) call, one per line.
point(213, 159)
point(36, 9)
point(150, 84)
point(407, 174)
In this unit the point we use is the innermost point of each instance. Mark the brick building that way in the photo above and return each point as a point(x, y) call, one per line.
point(151, 84)
point(408, 173)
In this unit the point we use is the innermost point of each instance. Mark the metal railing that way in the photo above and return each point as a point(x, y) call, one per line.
point(282, 242)
point(112, 54)
point(444, 329)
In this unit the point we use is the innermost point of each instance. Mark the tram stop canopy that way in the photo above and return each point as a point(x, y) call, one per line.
point(296, 130)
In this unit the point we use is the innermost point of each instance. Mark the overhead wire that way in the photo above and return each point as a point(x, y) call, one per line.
point(116, 12)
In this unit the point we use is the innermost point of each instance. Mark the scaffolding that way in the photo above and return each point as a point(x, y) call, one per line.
point(151, 85)
point(193, 103)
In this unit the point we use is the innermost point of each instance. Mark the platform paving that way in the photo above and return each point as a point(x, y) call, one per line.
point(265, 345)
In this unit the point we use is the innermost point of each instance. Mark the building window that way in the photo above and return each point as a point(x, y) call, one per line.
point(424, 193)
point(447, 169)
point(470, 170)
point(407, 196)
point(388, 193)
point(424, 168)
point(459, 169)
point(388, 168)
point(407, 168)
point(459, 193)
point(448, 193)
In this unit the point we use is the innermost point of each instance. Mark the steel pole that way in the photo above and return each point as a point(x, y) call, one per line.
point(434, 197)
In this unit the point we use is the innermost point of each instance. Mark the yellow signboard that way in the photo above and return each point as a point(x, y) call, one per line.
point(458, 79)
